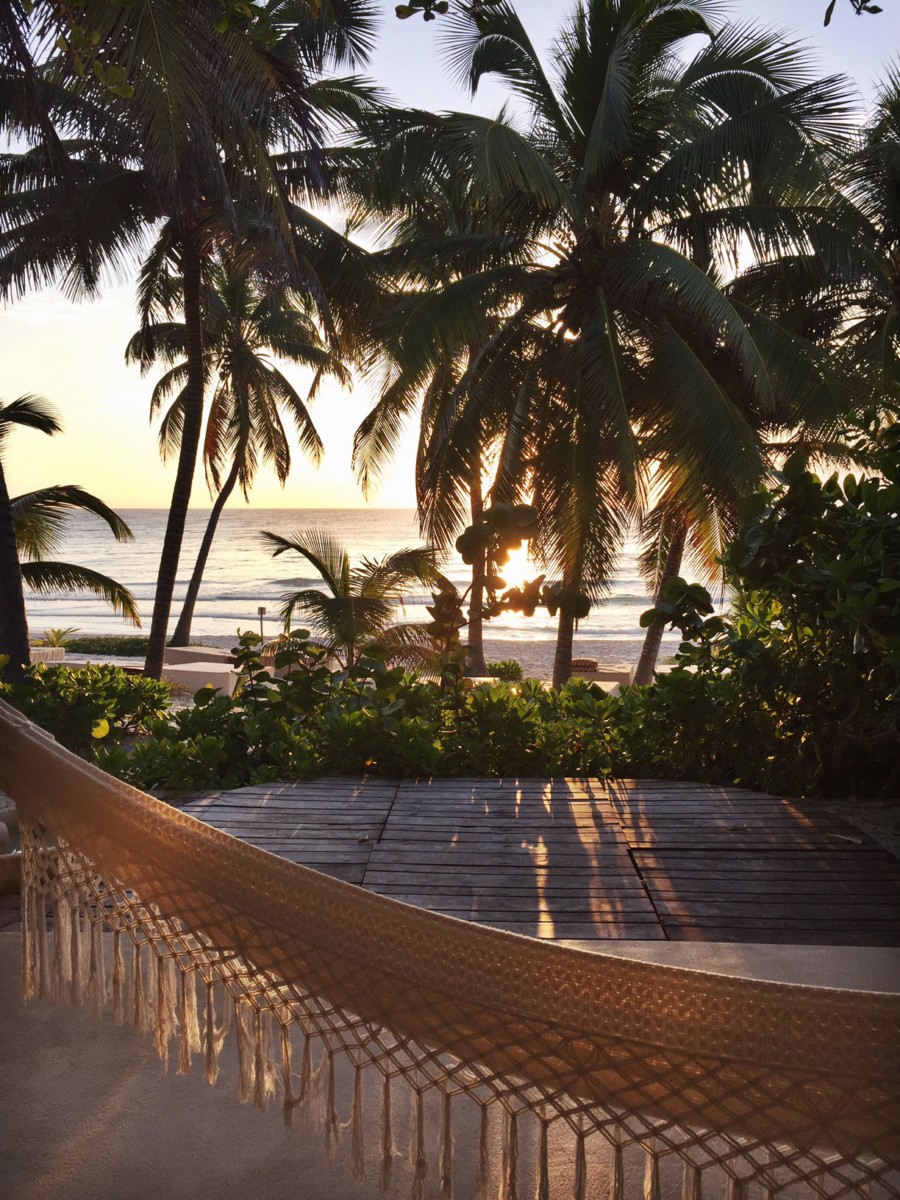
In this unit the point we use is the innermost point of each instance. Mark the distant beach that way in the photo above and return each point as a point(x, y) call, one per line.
point(536, 654)
point(242, 576)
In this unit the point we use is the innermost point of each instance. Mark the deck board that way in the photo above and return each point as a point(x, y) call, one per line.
point(584, 859)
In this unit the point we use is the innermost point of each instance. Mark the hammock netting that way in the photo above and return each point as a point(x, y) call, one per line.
point(755, 1089)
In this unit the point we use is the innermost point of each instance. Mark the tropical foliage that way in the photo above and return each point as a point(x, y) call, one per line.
point(250, 323)
point(798, 687)
point(171, 132)
point(32, 526)
point(612, 352)
point(796, 690)
point(356, 615)
point(83, 706)
point(648, 296)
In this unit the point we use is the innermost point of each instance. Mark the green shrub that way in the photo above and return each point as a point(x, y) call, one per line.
point(373, 718)
point(797, 689)
point(124, 645)
point(506, 669)
point(82, 706)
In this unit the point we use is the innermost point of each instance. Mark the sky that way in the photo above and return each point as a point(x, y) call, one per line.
point(73, 353)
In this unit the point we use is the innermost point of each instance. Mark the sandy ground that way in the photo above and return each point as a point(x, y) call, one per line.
point(536, 656)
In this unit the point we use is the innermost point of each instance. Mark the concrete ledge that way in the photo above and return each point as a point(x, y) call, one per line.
point(606, 673)
point(195, 675)
point(197, 654)
point(47, 654)
point(860, 968)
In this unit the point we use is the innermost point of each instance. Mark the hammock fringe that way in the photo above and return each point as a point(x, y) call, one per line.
point(159, 992)
point(387, 1135)
point(570, 1040)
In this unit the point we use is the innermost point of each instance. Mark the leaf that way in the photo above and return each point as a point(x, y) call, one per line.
point(100, 728)
point(828, 12)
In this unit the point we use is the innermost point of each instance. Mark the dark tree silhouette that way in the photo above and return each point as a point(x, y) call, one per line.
point(859, 7)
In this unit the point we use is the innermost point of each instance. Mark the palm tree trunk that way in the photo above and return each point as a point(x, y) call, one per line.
point(475, 664)
point(562, 660)
point(187, 459)
point(13, 621)
point(653, 639)
point(182, 634)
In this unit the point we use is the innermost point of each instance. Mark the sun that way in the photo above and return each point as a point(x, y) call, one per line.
point(519, 569)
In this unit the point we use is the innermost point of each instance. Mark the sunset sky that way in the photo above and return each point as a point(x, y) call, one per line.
point(73, 353)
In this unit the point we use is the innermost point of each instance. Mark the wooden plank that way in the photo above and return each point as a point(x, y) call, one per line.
point(479, 820)
point(577, 860)
point(719, 820)
point(570, 815)
point(300, 829)
point(496, 910)
point(296, 819)
point(418, 877)
point(485, 860)
point(639, 930)
point(290, 806)
point(348, 873)
point(789, 937)
point(748, 921)
point(763, 910)
point(615, 889)
point(570, 841)
point(737, 842)
point(489, 831)
point(687, 791)
point(848, 890)
point(837, 856)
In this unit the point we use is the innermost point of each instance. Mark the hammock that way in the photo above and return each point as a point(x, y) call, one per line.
point(773, 1084)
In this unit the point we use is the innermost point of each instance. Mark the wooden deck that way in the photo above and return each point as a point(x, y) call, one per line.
point(584, 859)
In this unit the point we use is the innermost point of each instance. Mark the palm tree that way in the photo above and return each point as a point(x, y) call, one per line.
point(692, 517)
point(447, 497)
point(617, 331)
point(185, 107)
point(248, 322)
point(355, 616)
point(30, 412)
point(440, 229)
point(852, 307)
point(31, 528)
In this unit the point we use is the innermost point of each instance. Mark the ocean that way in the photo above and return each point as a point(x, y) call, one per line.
point(242, 575)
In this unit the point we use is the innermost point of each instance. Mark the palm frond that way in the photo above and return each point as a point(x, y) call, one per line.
point(321, 549)
point(27, 412)
point(46, 578)
point(39, 518)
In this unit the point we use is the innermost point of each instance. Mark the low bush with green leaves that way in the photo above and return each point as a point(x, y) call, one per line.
point(124, 645)
point(507, 669)
point(795, 690)
point(372, 718)
point(83, 706)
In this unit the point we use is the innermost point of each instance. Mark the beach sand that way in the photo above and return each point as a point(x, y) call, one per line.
point(536, 655)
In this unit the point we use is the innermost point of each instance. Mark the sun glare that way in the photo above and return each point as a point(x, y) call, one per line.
point(519, 569)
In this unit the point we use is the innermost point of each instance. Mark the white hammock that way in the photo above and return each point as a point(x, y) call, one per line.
point(212, 938)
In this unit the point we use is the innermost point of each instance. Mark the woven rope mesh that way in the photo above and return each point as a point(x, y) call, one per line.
point(758, 1088)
